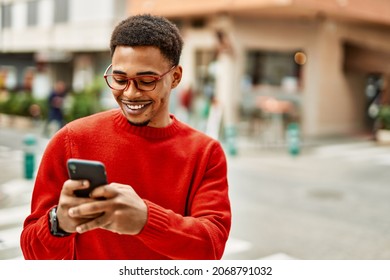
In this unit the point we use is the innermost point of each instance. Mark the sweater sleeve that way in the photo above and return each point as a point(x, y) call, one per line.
point(202, 234)
point(36, 240)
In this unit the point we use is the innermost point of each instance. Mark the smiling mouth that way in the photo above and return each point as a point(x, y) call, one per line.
point(137, 106)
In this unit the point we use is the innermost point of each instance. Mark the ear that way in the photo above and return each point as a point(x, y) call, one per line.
point(177, 74)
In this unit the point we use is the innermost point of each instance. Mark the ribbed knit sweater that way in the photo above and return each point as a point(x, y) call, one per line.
point(179, 172)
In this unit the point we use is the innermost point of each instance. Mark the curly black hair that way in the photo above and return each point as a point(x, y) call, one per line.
point(149, 30)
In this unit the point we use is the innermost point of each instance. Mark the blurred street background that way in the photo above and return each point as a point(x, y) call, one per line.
point(329, 202)
point(298, 93)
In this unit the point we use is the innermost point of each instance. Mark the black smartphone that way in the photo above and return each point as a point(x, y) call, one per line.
point(93, 171)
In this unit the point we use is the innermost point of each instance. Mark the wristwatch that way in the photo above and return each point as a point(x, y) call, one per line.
point(54, 230)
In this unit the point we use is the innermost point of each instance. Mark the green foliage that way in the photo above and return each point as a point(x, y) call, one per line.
point(84, 103)
point(77, 104)
point(384, 116)
point(21, 104)
point(80, 105)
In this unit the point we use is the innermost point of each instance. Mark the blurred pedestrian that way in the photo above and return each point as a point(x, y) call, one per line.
point(56, 104)
point(185, 98)
point(167, 196)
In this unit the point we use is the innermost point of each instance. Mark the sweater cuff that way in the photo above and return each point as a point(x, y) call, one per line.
point(157, 223)
point(55, 242)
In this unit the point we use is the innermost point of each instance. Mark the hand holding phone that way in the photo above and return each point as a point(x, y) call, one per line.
point(93, 171)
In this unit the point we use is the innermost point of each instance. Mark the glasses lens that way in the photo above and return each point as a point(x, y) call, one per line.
point(117, 82)
point(146, 83)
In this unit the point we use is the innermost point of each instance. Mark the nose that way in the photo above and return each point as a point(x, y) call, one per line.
point(131, 90)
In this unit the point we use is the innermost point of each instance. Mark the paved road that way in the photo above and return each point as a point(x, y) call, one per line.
point(330, 202)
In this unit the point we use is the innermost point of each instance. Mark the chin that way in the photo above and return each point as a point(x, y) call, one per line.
point(133, 120)
point(145, 123)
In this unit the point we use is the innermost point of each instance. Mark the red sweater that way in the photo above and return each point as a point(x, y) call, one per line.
point(179, 172)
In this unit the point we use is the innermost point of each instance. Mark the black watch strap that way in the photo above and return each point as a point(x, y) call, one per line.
point(53, 221)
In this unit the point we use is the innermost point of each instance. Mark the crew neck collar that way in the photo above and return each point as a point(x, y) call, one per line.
point(146, 131)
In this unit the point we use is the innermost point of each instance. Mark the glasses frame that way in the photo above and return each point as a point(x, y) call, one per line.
point(156, 78)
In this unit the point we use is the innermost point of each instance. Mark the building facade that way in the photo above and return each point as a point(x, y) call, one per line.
point(298, 60)
point(42, 41)
point(319, 63)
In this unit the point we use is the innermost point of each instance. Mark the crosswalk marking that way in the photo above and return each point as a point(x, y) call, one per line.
point(234, 246)
point(17, 187)
point(10, 237)
point(278, 256)
point(7, 153)
point(14, 215)
point(16, 205)
point(356, 152)
point(4, 149)
point(10, 243)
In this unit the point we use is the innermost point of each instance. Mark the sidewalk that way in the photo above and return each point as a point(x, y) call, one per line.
point(12, 215)
point(15, 190)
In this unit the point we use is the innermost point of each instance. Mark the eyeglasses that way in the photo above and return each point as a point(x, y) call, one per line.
point(142, 82)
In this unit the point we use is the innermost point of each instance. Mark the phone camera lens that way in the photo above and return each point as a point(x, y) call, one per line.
point(72, 167)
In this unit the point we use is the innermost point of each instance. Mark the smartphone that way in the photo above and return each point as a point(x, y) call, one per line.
point(93, 171)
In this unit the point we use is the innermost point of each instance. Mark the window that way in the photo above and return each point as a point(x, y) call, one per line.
point(271, 68)
point(32, 13)
point(6, 13)
point(61, 11)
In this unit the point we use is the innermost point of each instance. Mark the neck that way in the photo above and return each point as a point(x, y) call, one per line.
point(164, 123)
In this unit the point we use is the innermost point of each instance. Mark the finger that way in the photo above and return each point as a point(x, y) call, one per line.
point(71, 185)
point(91, 209)
point(106, 191)
point(99, 222)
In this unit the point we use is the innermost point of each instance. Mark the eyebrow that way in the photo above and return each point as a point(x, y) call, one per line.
point(137, 74)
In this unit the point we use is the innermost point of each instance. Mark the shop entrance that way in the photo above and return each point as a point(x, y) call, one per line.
point(370, 66)
point(374, 97)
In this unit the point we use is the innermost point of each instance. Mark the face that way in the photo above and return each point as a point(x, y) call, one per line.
point(145, 107)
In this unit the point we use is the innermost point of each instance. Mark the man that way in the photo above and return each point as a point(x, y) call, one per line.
point(167, 196)
point(56, 102)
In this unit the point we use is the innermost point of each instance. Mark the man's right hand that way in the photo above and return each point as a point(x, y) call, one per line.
point(68, 200)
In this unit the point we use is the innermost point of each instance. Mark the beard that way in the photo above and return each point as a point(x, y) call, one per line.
point(145, 123)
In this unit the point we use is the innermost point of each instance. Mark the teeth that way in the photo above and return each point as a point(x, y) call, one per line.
point(135, 107)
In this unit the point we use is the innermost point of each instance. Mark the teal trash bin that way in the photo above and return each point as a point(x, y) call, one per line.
point(231, 139)
point(29, 142)
point(293, 139)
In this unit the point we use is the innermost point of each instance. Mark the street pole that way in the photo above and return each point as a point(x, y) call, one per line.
point(29, 142)
point(226, 82)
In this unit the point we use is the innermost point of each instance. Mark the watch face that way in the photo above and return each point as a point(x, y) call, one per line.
point(53, 220)
point(54, 230)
